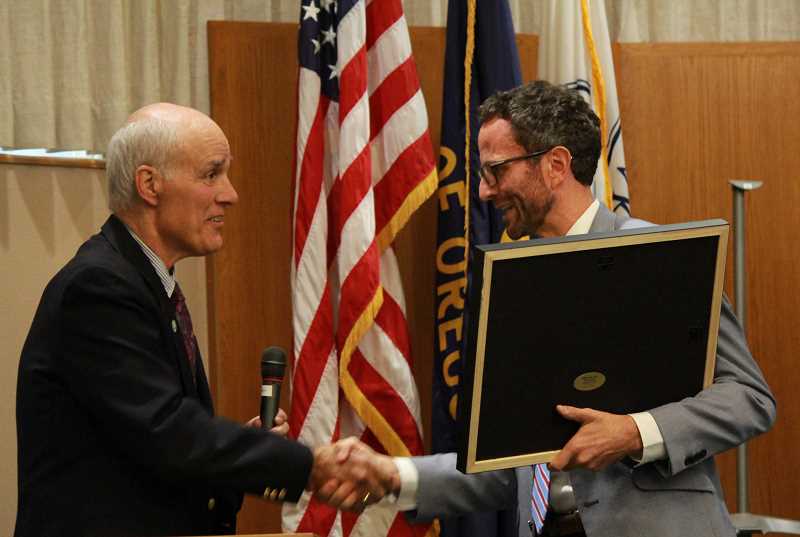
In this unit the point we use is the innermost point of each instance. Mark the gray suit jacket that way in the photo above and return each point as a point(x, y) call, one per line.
point(678, 496)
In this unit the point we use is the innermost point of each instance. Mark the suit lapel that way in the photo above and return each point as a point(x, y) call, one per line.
point(603, 221)
point(119, 237)
point(122, 241)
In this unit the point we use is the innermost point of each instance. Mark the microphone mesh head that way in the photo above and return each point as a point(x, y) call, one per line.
point(273, 362)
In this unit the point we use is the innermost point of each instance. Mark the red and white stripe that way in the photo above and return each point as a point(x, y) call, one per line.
point(364, 165)
point(540, 492)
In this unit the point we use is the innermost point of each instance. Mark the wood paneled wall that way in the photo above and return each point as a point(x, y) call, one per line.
point(253, 85)
point(695, 116)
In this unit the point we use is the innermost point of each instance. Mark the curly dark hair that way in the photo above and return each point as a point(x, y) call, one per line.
point(544, 115)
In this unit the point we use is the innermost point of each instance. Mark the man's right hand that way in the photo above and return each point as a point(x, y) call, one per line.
point(603, 439)
point(349, 475)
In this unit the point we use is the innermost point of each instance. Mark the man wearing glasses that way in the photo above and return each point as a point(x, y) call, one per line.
point(648, 474)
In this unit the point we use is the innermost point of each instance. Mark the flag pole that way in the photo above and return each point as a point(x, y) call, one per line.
point(746, 523)
point(740, 293)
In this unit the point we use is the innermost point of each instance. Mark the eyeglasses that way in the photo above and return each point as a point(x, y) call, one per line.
point(488, 170)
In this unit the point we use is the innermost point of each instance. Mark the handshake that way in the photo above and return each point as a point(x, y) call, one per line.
point(349, 475)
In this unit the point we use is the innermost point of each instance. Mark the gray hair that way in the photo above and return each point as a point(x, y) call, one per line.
point(149, 140)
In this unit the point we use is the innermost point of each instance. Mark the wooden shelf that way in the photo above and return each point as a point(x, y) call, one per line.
point(53, 161)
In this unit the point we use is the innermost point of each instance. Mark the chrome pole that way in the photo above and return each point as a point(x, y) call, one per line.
point(746, 523)
point(740, 299)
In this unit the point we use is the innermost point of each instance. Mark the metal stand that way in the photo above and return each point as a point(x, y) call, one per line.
point(748, 524)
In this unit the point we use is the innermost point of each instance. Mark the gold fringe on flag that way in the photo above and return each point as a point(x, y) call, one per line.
point(468, 56)
point(413, 200)
point(599, 85)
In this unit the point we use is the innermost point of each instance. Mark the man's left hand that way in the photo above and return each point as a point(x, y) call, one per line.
point(602, 439)
point(281, 423)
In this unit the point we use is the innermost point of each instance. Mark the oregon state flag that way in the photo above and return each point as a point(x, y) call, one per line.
point(480, 59)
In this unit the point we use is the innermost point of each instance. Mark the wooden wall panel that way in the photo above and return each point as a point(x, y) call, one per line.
point(695, 116)
point(252, 95)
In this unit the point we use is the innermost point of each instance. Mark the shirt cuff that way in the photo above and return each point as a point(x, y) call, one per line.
point(409, 483)
point(652, 441)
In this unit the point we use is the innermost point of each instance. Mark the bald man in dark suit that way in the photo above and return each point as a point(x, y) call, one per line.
point(115, 424)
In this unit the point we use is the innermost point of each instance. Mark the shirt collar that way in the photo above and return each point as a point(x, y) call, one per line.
point(166, 276)
point(582, 224)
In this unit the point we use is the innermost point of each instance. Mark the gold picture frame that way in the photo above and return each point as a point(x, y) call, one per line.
point(669, 310)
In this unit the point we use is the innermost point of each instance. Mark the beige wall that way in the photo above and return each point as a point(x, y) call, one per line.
point(45, 214)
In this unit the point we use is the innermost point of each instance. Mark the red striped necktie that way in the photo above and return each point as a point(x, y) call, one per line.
point(187, 332)
point(540, 492)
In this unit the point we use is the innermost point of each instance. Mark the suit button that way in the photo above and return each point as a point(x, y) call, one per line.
point(174, 327)
point(267, 492)
point(281, 495)
point(211, 504)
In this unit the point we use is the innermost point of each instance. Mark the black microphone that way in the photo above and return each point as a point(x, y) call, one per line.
point(273, 365)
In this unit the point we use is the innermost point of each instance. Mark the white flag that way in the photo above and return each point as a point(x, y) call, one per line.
point(575, 50)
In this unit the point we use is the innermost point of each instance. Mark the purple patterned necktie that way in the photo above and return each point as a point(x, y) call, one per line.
point(185, 325)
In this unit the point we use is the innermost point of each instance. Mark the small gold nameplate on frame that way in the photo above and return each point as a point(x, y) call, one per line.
point(589, 381)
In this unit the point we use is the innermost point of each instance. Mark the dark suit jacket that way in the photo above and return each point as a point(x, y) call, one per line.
point(114, 439)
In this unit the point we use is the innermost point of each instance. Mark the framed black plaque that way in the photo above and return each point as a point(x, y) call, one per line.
point(623, 322)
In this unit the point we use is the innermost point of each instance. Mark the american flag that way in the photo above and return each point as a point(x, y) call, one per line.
point(364, 163)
